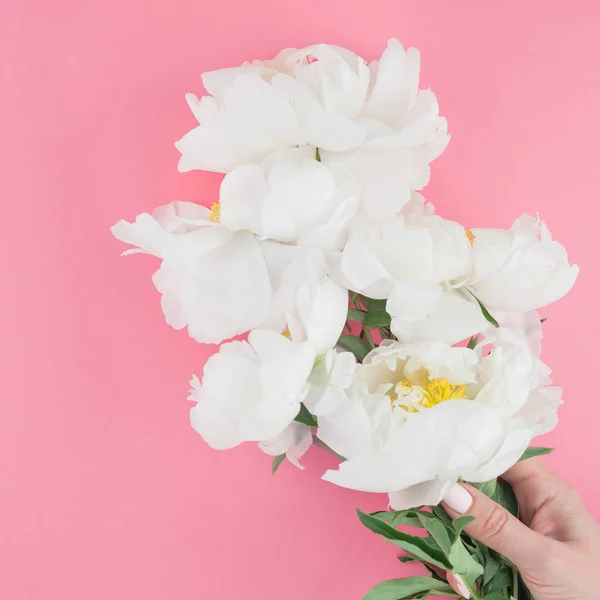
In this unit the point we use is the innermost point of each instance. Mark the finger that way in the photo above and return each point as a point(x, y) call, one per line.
point(534, 486)
point(494, 526)
point(457, 583)
point(548, 503)
point(527, 472)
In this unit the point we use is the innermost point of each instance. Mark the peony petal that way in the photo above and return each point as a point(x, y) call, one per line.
point(261, 400)
point(396, 78)
point(241, 198)
point(252, 120)
point(428, 493)
point(145, 232)
point(361, 269)
point(413, 301)
point(459, 435)
point(347, 430)
point(293, 441)
point(539, 411)
point(512, 448)
point(521, 269)
point(222, 398)
point(455, 319)
point(213, 306)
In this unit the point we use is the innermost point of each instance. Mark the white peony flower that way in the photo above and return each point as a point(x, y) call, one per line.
point(251, 391)
point(372, 118)
point(520, 269)
point(212, 280)
point(419, 417)
point(418, 262)
point(291, 198)
point(411, 250)
point(257, 109)
point(403, 133)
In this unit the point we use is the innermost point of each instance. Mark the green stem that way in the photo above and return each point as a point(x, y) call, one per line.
point(474, 593)
point(515, 590)
point(369, 338)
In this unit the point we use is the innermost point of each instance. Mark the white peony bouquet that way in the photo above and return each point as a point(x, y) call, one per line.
point(402, 342)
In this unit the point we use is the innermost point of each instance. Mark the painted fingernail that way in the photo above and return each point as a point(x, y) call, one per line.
point(458, 499)
point(458, 585)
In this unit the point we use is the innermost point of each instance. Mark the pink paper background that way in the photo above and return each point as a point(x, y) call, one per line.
point(105, 491)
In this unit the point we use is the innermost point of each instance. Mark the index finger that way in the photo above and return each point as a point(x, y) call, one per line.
point(527, 474)
point(538, 488)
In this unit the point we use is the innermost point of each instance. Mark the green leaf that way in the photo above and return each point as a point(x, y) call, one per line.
point(396, 589)
point(377, 318)
point(408, 559)
point(460, 523)
point(491, 566)
point(440, 512)
point(351, 343)
point(439, 532)
point(304, 416)
point(500, 581)
point(414, 545)
point(356, 315)
point(505, 496)
point(494, 597)
point(410, 518)
point(386, 334)
point(433, 573)
point(402, 517)
point(431, 543)
point(473, 342)
point(375, 305)
point(477, 551)
point(463, 562)
point(485, 312)
point(276, 462)
point(487, 487)
point(535, 451)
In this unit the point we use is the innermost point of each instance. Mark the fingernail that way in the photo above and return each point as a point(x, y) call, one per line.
point(458, 585)
point(458, 499)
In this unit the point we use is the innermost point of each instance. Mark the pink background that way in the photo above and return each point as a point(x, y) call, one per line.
point(105, 491)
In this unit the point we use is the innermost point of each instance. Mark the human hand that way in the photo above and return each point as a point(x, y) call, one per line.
point(555, 545)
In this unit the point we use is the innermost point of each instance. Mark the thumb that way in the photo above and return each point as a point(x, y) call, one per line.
point(494, 526)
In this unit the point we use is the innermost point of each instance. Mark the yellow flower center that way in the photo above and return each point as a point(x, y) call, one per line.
point(286, 334)
point(470, 237)
point(215, 213)
point(412, 398)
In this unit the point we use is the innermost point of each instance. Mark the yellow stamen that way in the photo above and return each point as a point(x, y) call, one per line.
point(215, 213)
point(432, 393)
point(470, 237)
point(286, 334)
point(440, 390)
